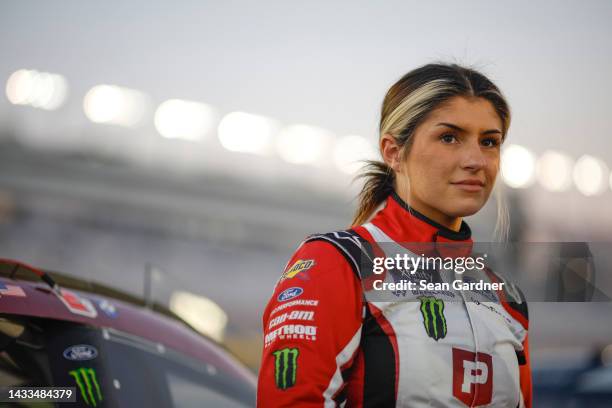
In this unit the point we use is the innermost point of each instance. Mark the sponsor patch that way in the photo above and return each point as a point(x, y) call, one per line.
point(472, 377)
point(291, 331)
point(87, 382)
point(290, 293)
point(434, 320)
point(298, 302)
point(80, 352)
point(301, 265)
point(285, 367)
point(76, 304)
point(11, 290)
point(292, 315)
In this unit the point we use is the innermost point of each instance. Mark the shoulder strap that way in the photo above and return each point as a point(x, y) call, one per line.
point(356, 250)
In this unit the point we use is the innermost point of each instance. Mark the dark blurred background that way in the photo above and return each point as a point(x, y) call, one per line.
point(204, 140)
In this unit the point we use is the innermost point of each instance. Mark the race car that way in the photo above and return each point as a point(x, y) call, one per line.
point(58, 331)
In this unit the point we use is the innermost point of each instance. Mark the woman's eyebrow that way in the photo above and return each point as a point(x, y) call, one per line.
point(459, 129)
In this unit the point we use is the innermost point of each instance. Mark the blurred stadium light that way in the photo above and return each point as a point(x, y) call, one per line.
point(247, 133)
point(350, 151)
point(201, 313)
point(115, 105)
point(304, 144)
point(38, 89)
point(554, 171)
point(590, 175)
point(517, 166)
point(188, 120)
point(295, 144)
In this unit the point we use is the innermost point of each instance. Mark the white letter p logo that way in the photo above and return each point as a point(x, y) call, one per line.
point(472, 376)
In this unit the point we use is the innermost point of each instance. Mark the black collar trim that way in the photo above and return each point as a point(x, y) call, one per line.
point(463, 234)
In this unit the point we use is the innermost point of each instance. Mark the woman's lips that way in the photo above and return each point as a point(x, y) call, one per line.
point(469, 186)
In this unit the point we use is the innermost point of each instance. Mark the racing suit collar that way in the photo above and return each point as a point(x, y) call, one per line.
point(406, 225)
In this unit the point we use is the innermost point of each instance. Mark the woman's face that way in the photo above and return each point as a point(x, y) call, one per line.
point(454, 160)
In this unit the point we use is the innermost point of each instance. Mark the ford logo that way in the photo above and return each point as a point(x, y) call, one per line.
point(290, 294)
point(80, 352)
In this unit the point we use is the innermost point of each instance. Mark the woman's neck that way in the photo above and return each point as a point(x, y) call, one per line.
point(450, 222)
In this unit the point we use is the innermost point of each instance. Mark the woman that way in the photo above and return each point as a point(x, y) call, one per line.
point(327, 344)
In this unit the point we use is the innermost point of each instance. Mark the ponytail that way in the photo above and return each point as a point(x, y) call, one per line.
point(379, 184)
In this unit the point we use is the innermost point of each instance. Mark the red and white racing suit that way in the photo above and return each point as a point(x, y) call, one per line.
point(325, 345)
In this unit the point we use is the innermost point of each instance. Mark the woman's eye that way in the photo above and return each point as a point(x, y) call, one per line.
point(490, 142)
point(447, 138)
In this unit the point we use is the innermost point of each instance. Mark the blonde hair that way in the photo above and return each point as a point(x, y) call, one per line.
point(405, 106)
point(502, 226)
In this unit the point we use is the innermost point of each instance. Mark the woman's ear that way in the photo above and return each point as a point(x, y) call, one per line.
point(390, 151)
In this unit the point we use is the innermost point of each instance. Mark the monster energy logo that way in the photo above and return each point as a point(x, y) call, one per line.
point(285, 367)
point(88, 385)
point(434, 321)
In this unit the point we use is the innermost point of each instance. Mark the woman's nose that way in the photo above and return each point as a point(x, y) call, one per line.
point(472, 157)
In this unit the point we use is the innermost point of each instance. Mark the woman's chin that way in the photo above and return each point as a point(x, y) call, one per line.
point(466, 207)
